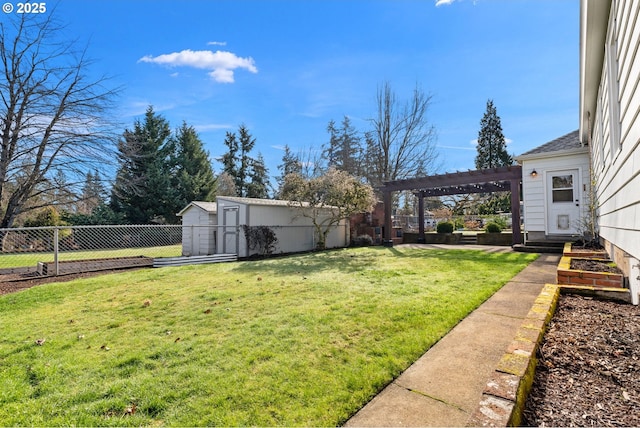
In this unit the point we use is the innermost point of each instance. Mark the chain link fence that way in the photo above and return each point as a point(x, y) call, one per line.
point(74, 249)
point(39, 248)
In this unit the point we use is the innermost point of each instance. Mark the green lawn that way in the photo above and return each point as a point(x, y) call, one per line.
point(303, 340)
point(32, 259)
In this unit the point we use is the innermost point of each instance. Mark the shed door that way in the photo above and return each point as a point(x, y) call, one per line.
point(563, 202)
point(230, 218)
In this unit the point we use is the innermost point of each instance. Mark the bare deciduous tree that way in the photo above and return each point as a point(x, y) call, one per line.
point(52, 114)
point(402, 141)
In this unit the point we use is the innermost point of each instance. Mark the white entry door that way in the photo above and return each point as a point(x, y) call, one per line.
point(563, 202)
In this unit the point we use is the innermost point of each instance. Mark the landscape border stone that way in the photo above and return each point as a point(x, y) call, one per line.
point(569, 276)
point(506, 391)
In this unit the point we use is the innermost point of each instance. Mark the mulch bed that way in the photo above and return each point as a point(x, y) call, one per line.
point(18, 282)
point(593, 266)
point(588, 372)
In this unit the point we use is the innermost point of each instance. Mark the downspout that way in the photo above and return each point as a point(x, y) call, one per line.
point(634, 280)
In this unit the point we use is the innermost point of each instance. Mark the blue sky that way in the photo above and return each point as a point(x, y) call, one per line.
point(286, 68)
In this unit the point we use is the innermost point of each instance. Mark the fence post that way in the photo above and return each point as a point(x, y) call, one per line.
point(56, 247)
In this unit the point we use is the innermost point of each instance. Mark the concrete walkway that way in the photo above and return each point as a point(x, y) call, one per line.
point(444, 387)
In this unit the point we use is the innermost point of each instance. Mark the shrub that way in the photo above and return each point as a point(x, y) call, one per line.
point(362, 241)
point(500, 221)
point(458, 223)
point(444, 227)
point(472, 225)
point(261, 238)
point(493, 228)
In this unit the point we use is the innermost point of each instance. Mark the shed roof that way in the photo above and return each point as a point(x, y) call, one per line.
point(566, 144)
point(265, 202)
point(255, 201)
point(210, 207)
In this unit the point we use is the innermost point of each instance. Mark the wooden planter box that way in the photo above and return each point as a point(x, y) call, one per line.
point(442, 238)
point(94, 265)
point(568, 276)
point(569, 251)
point(503, 239)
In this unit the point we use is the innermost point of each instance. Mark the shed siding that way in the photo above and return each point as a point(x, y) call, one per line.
point(294, 233)
point(198, 238)
point(617, 165)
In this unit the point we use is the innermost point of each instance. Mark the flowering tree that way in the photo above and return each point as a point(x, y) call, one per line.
point(327, 199)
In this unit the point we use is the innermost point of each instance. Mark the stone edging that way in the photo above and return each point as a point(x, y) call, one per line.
point(506, 391)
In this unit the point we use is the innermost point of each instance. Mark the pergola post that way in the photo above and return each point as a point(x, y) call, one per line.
point(421, 238)
point(388, 225)
point(488, 180)
point(515, 212)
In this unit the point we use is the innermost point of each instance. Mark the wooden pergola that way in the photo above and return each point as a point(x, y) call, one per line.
point(501, 179)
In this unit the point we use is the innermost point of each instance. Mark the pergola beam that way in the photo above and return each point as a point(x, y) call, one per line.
point(491, 180)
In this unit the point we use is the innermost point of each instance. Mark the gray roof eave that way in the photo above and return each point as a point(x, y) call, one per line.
point(546, 155)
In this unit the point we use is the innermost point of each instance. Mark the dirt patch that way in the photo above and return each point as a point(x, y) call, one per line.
point(592, 244)
point(18, 282)
point(588, 372)
point(594, 266)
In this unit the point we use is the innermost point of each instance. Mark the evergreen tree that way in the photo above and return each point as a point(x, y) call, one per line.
point(290, 165)
point(193, 178)
point(344, 150)
point(492, 153)
point(230, 159)
point(238, 163)
point(142, 191)
point(258, 187)
point(246, 144)
point(93, 193)
point(492, 146)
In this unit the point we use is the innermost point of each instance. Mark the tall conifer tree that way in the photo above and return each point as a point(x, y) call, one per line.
point(142, 189)
point(192, 175)
point(492, 146)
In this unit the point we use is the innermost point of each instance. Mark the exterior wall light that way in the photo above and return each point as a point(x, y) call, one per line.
point(534, 173)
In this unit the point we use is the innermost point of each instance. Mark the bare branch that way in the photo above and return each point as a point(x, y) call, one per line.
point(53, 117)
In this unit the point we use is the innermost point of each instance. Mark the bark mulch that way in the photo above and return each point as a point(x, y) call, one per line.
point(588, 372)
point(594, 266)
point(18, 282)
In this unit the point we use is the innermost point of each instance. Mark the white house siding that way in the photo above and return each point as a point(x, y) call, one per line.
point(534, 189)
point(615, 144)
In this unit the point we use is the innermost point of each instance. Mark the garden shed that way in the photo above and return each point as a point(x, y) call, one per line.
point(556, 189)
point(294, 232)
point(198, 228)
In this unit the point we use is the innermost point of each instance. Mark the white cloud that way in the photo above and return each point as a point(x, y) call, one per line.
point(455, 147)
point(212, 127)
point(449, 2)
point(217, 43)
point(220, 63)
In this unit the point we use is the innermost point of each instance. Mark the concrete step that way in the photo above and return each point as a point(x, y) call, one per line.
point(538, 248)
point(468, 240)
point(193, 260)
